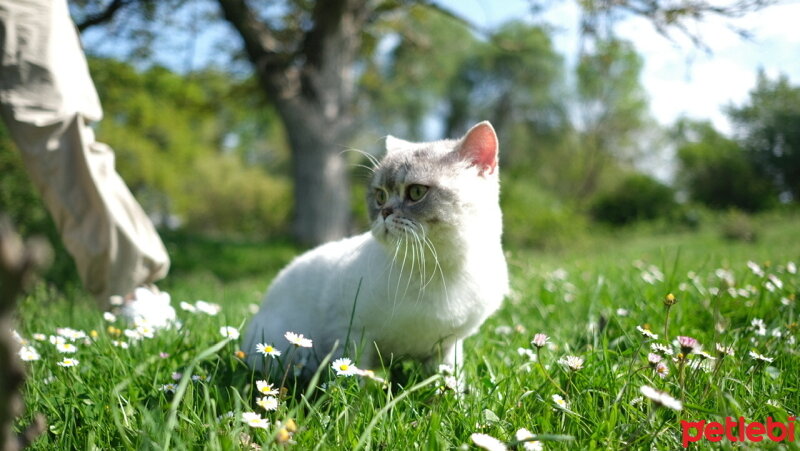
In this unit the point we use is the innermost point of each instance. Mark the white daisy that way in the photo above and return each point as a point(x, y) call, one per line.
point(761, 357)
point(67, 362)
point(66, 348)
point(560, 402)
point(298, 340)
point(344, 367)
point(267, 350)
point(168, 388)
point(661, 398)
point(266, 388)
point(110, 317)
point(487, 442)
point(268, 403)
point(572, 362)
point(229, 332)
point(523, 435)
point(647, 333)
point(28, 354)
point(254, 420)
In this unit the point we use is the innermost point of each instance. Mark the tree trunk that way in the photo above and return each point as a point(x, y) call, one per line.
point(320, 179)
point(310, 78)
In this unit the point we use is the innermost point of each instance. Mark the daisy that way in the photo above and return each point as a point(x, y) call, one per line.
point(662, 370)
point(344, 367)
point(254, 420)
point(39, 337)
point(523, 435)
point(761, 357)
point(70, 334)
point(168, 388)
point(209, 308)
point(661, 398)
point(540, 340)
point(688, 344)
point(188, 307)
point(653, 359)
point(266, 388)
point(67, 348)
point(66, 362)
point(120, 344)
point(176, 376)
point(574, 363)
point(145, 330)
point(723, 350)
point(487, 442)
point(704, 355)
point(646, 333)
point(110, 317)
point(529, 353)
point(268, 403)
point(560, 402)
point(661, 349)
point(28, 354)
point(267, 350)
point(56, 339)
point(229, 332)
point(369, 374)
point(298, 340)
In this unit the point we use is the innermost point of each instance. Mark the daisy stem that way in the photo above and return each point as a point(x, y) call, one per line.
point(714, 374)
point(288, 365)
point(546, 374)
point(666, 324)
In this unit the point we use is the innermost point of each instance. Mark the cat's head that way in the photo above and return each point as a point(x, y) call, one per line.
point(443, 189)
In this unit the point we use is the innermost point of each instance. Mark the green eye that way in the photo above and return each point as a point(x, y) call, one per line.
point(417, 192)
point(380, 196)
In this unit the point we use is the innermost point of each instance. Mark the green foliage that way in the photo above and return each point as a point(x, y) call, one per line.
point(769, 129)
point(637, 197)
point(716, 171)
point(533, 217)
point(737, 226)
point(196, 146)
point(589, 303)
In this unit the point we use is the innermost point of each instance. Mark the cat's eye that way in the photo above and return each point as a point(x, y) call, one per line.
point(380, 196)
point(417, 192)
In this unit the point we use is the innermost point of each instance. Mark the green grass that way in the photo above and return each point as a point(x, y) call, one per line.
point(112, 398)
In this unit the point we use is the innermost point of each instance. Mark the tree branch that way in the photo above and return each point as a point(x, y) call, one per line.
point(259, 41)
point(104, 16)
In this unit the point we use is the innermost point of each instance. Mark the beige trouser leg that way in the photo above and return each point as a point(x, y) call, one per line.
point(46, 100)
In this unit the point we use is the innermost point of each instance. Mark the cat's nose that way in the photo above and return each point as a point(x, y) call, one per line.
point(386, 212)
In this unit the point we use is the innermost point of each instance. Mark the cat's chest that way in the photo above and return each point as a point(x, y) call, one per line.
point(414, 321)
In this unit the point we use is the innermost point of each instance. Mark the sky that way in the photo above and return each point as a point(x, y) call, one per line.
point(680, 79)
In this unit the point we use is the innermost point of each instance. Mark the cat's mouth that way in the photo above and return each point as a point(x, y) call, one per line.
point(394, 228)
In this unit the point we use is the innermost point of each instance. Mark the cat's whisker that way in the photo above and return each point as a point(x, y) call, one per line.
point(421, 285)
point(369, 157)
point(402, 265)
point(413, 261)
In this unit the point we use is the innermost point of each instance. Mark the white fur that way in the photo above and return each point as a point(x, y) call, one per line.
point(399, 312)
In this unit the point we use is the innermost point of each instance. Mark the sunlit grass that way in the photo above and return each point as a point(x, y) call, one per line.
point(589, 303)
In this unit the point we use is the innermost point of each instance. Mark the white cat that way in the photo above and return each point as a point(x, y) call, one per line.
point(428, 274)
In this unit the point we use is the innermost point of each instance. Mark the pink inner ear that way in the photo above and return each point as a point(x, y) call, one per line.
point(480, 147)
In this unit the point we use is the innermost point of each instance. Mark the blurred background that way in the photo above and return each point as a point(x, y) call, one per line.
point(232, 119)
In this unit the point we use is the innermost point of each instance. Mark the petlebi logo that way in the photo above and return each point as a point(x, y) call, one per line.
point(737, 430)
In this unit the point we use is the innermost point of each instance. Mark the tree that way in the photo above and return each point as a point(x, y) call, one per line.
point(768, 126)
point(304, 55)
point(612, 109)
point(715, 170)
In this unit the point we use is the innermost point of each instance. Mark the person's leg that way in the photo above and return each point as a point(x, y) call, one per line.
point(46, 100)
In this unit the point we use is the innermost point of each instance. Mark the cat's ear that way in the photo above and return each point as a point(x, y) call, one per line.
point(480, 146)
point(396, 144)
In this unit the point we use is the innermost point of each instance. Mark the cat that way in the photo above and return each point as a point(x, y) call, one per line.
point(426, 276)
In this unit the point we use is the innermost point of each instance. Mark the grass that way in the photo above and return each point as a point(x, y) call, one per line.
point(587, 300)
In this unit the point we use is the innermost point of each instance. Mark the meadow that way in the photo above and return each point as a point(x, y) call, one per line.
point(603, 306)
